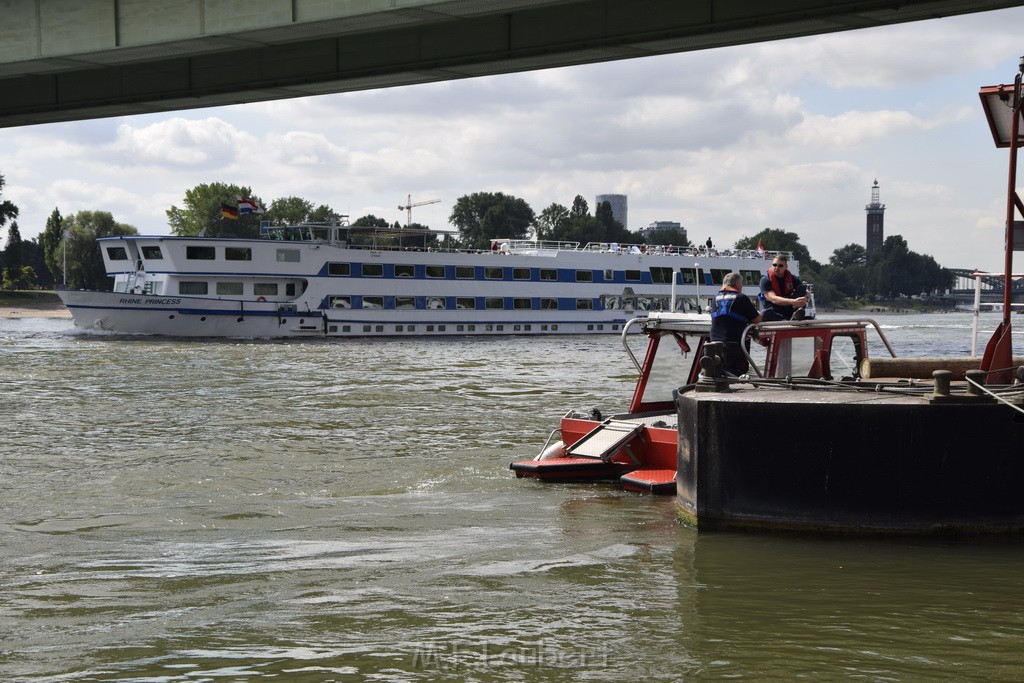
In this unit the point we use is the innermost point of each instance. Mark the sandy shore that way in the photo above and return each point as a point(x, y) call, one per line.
point(40, 312)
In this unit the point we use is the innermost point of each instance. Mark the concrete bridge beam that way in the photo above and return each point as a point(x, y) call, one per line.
point(75, 59)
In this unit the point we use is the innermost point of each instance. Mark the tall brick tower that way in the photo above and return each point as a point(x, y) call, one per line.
point(876, 221)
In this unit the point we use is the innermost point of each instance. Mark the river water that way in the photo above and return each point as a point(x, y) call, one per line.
point(181, 510)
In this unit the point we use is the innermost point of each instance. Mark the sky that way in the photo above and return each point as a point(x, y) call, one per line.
point(788, 134)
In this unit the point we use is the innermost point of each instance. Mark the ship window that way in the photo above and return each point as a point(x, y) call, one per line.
point(661, 275)
point(548, 304)
point(340, 269)
point(198, 253)
point(494, 273)
point(521, 304)
point(520, 273)
point(633, 276)
point(751, 277)
point(373, 302)
point(405, 270)
point(435, 271)
point(193, 287)
point(435, 303)
point(689, 275)
point(117, 253)
point(718, 274)
point(465, 272)
point(494, 302)
point(229, 288)
point(584, 276)
point(373, 270)
point(341, 302)
point(287, 255)
point(548, 274)
point(238, 253)
point(411, 328)
point(265, 289)
point(609, 275)
point(405, 302)
point(584, 304)
point(152, 253)
point(465, 302)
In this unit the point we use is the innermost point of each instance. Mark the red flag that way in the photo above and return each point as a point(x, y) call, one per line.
point(760, 245)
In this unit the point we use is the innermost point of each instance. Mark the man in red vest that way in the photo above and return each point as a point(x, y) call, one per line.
point(783, 296)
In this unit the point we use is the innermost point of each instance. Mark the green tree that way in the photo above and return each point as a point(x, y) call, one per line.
point(895, 270)
point(371, 221)
point(85, 261)
point(19, 278)
point(201, 212)
point(8, 211)
point(548, 224)
point(32, 257)
point(669, 236)
point(483, 216)
point(850, 255)
point(289, 210)
point(51, 237)
point(12, 254)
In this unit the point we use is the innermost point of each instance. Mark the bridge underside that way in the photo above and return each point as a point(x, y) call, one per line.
point(64, 61)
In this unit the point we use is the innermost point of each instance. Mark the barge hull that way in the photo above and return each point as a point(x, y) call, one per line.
point(841, 461)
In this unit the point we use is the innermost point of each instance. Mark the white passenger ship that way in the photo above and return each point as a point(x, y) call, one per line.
point(310, 281)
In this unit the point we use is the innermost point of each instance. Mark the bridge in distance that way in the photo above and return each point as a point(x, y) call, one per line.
point(63, 60)
point(991, 287)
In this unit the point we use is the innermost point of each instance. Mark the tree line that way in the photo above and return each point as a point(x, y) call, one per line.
point(66, 252)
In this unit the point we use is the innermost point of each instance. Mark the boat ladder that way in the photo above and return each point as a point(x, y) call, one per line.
point(606, 439)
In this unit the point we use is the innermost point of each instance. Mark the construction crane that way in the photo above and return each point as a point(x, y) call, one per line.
point(408, 207)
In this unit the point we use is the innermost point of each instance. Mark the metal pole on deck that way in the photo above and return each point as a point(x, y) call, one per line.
point(696, 279)
point(977, 311)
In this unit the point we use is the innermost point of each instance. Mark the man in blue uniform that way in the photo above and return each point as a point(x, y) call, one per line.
point(730, 315)
point(783, 296)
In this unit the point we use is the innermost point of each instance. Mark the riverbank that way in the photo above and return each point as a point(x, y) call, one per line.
point(32, 305)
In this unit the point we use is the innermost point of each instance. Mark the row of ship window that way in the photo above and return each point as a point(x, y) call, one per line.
point(465, 303)
point(657, 274)
point(368, 302)
point(463, 328)
point(653, 275)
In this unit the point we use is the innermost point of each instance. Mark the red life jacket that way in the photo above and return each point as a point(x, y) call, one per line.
point(784, 286)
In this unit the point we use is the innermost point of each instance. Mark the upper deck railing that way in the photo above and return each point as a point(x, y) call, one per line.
point(550, 248)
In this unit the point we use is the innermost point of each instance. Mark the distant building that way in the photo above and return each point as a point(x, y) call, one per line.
point(876, 222)
point(618, 204)
point(662, 225)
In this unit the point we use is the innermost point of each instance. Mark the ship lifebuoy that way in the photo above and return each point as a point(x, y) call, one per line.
point(261, 298)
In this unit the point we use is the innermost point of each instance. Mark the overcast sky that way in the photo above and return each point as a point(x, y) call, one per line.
point(789, 134)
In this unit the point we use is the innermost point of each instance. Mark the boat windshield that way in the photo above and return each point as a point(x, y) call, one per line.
point(671, 368)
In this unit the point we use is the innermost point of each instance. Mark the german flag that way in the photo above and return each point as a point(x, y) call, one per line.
point(228, 211)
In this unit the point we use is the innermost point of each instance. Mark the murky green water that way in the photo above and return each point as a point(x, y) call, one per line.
point(248, 511)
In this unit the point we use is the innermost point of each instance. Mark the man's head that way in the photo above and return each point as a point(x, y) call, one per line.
point(733, 281)
point(780, 263)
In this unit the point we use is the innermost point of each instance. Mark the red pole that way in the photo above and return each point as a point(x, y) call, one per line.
point(1011, 195)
